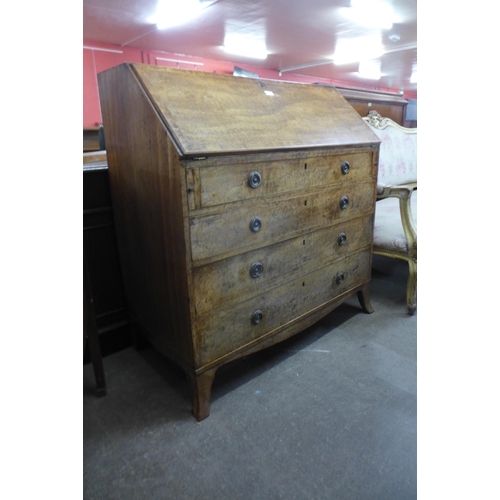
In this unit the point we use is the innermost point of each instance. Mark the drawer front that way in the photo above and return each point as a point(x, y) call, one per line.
point(273, 221)
point(237, 279)
point(228, 183)
point(226, 330)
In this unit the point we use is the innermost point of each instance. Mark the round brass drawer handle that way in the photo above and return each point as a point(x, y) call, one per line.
point(342, 239)
point(257, 317)
point(256, 270)
point(255, 224)
point(344, 202)
point(345, 167)
point(340, 278)
point(254, 180)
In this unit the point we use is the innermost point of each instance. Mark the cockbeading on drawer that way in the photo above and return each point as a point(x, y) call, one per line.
point(218, 184)
point(229, 329)
point(237, 279)
point(249, 226)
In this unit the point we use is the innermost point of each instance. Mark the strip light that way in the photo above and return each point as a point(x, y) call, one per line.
point(413, 78)
point(370, 70)
point(171, 13)
point(180, 62)
point(242, 45)
point(372, 13)
point(103, 50)
point(349, 50)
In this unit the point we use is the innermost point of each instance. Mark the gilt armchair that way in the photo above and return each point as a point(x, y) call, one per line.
point(395, 228)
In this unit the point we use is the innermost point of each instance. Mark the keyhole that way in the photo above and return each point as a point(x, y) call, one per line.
point(305, 203)
point(303, 283)
point(305, 166)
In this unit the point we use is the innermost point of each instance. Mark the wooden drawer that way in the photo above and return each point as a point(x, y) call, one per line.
point(229, 231)
point(230, 281)
point(225, 330)
point(228, 183)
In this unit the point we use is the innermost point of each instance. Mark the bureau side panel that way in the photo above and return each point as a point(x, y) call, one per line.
point(146, 187)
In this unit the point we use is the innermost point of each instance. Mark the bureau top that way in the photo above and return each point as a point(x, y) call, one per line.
point(211, 114)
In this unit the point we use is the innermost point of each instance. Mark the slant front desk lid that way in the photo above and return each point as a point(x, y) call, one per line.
point(209, 114)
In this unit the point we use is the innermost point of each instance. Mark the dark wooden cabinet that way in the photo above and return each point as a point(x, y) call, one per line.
point(243, 209)
point(389, 105)
point(101, 250)
point(91, 139)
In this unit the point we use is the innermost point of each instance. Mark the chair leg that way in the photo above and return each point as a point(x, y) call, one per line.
point(411, 287)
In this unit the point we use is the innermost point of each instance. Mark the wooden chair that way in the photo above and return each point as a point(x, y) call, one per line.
point(395, 229)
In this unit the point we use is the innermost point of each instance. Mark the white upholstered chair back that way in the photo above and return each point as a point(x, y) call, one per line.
point(398, 152)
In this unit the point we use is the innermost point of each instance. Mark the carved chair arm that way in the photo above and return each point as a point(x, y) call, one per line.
point(384, 191)
point(403, 192)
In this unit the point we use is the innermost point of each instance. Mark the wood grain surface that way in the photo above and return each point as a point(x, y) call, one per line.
point(208, 113)
point(180, 148)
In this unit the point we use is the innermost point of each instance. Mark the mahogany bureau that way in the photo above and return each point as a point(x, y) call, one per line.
point(243, 209)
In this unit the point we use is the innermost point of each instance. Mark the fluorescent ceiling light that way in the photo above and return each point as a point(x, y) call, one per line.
point(171, 13)
point(242, 45)
point(372, 13)
point(349, 50)
point(413, 78)
point(370, 70)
